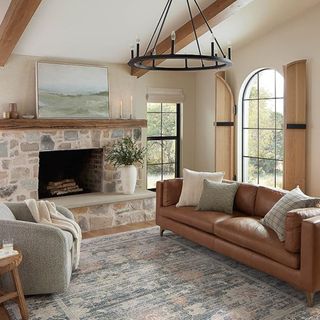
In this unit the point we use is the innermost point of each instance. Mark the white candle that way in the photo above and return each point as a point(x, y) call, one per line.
point(131, 107)
point(121, 104)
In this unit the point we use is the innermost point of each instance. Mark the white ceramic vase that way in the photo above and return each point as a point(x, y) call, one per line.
point(128, 179)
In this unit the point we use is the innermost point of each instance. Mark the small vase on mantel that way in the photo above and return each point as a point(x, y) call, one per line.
point(128, 179)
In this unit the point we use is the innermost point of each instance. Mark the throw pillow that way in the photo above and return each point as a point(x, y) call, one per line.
point(217, 196)
point(193, 184)
point(275, 218)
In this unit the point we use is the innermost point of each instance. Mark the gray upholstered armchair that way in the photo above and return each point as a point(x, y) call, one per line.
point(48, 252)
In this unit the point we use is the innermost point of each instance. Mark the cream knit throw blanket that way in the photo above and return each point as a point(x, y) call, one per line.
point(45, 212)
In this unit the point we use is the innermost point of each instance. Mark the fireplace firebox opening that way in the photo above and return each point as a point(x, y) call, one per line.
point(69, 172)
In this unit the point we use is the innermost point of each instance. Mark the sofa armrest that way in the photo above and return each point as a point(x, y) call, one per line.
point(310, 253)
point(171, 191)
point(46, 265)
point(293, 224)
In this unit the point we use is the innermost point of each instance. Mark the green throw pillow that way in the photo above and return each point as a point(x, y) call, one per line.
point(217, 196)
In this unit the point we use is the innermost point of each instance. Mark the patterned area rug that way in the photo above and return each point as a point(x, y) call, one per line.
point(138, 275)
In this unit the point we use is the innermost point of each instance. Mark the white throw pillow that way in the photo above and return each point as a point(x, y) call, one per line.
point(193, 185)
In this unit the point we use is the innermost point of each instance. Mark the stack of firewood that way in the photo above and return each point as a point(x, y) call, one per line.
point(63, 187)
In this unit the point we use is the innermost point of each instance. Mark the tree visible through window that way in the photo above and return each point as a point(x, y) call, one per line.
point(262, 129)
point(162, 142)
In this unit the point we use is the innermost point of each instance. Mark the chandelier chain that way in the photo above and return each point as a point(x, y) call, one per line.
point(165, 17)
point(155, 30)
point(210, 30)
point(194, 31)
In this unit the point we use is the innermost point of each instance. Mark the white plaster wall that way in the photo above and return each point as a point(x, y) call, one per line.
point(17, 84)
point(297, 39)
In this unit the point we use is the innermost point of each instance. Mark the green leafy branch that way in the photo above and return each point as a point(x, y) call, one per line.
point(125, 152)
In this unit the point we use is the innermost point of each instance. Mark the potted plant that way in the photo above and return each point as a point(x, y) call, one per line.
point(124, 154)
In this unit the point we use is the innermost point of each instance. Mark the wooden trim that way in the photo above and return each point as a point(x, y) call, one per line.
point(13, 25)
point(295, 117)
point(24, 124)
point(215, 13)
point(224, 134)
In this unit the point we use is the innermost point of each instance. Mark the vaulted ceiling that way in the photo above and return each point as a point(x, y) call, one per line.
point(104, 30)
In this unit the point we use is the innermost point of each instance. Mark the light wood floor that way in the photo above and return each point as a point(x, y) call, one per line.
point(114, 230)
point(98, 233)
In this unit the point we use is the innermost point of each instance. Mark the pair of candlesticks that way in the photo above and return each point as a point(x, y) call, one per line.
point(131, 109)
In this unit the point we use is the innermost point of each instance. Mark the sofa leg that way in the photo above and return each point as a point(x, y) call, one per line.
point(161, 232)
point(310, 297)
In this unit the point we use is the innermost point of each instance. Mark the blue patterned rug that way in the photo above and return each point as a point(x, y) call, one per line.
point(138, 275)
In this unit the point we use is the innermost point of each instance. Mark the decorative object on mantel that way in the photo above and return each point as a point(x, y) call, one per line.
point(27, 116)
point(124, 154)
point(121, 109)
point(13, 111)
point(127, 115)
point(151, 59)
point(6, 115)
point(66, 91)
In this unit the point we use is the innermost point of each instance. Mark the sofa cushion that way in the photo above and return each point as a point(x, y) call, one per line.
point(249, 233)
point(193, 184)
point(217, 196)
point(202, 220)
point(5, 213)
point(245, 198)
point(266, 198)
point(171, 191)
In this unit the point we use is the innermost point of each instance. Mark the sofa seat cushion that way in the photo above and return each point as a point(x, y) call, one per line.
point(248, 232)
point(202, 220)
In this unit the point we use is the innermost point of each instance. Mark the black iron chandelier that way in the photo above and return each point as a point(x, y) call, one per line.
point(151, 59)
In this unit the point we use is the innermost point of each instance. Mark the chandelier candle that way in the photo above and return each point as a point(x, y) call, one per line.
point(173, 40)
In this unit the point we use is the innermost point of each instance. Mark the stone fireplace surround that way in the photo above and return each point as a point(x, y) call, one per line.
point(19, 172)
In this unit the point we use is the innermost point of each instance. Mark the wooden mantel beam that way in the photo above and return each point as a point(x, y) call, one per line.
point(215, 13)
point(13, 25)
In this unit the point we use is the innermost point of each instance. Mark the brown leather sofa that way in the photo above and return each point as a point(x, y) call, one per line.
point(242, 237)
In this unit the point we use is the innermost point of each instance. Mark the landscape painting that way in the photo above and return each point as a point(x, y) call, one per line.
point(72, 91)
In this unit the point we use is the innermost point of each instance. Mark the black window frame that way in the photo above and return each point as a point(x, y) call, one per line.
point(275, 128)
point(161, 138)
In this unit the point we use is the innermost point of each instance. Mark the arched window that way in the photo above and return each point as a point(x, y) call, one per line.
point(262, 129)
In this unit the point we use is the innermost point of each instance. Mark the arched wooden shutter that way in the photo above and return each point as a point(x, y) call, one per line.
point(295, 109)
point(224, 130)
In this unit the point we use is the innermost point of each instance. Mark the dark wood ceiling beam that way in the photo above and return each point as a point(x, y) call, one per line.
point(215, 13)
point(13, 25)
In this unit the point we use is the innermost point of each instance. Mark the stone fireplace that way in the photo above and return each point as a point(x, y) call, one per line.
point(20, 158)
point(33, 158)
